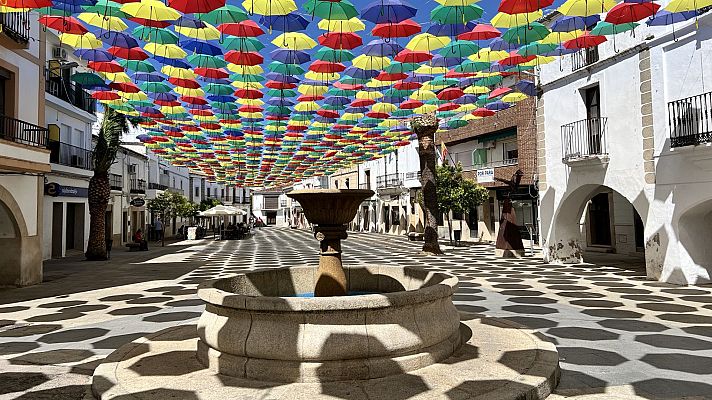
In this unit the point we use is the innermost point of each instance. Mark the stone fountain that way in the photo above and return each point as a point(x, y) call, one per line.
point(312, 331)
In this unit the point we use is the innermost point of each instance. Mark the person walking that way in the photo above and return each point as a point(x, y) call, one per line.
point(158, 227)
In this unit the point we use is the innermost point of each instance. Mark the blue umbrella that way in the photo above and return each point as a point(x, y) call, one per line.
point(568, 24)
point(500, 44)
point(148, 77)
point(560, 51)
point(450, 29)
point(497, 105)
point(189, 22)
point(337, 100)
point(60, 3)
point(96, 55)
point(173, 62)
point(666, 17)
point(420, 78)
point(162, 96)
point(201, 47)
point(360, 73)
point(117, 39)
point(277, 77)
point(290, 56)
point(280, 101)
point(312, 82)
point(527, 87)
point(356, 109)
point(466, 99)
point(440, 61)
point(382, 11)
point(221, 98)
point(392, 99)
point(381, 48)
point(291, 22)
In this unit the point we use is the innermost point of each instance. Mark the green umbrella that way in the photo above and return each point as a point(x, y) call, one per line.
point(536, 48)
point(278, 110)
point(607, 28)
point(281, 93)
point(401, 68)
point(443, 81)
point(285, 69)
point(490, 80)
point(54, 12)
point(206, 61)
point(402, 113)
point(459, 49)
point(88, 79)
point(331, 10)
point(155, 35)
point(247, 77)
point(397, 93)
point(472, 66)
point(219, 89)
point(455, 14)
point(155, 87)
point(526, 34)
point(456, 123)
point(141, 103)
point(334, 107)
point(354, 81)
point(334, 91)
point(138, 66)
point(224, 15)
point(106, 8)
point(331, 55)
point(243, 44)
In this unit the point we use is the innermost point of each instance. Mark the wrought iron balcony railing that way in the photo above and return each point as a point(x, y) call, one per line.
point(389, 180)
point(413, 175)
point(19, 131)
point(690, 120)
point(584, 58)
point(583, 139)
point(157, 186)
point(69, 92)
point(72, 156)
point(116, 182)
point(137, 186)
point(16, 25)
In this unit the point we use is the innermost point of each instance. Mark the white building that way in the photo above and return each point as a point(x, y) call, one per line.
point(69, 115)
point(24, 158)
point(625, 153)
point(127, 210)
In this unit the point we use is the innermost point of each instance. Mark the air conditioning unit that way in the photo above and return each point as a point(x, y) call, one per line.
point(59, 53)
point(76, 161)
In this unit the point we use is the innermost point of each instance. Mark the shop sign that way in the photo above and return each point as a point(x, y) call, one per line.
point(138, 202)
point(485, 175)
point(54, 189)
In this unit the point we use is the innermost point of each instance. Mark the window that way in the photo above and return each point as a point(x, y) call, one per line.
point(479, 157)
point(174, 182)
point(207, 192)
point(346, 182)
point(395, 216)
point(368, 179)
point(181, 184)
point(197, 191)
point(510, 151)
point(4, 89)
point(336, 183)
point(222, 193)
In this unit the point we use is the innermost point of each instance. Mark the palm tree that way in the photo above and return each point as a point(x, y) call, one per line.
point(113, 126)
point(424, 127)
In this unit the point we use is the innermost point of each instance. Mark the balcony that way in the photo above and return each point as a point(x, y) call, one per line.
point(138, 186)
point(690, 120)
point(16, 26)
point(70, 92)
point(583, 58)
point(364, 185)
point(157, 186)
point(389, 181)
point(22, 132)
point(494, 164)
point(585, 140)
point(413, 175)
point(71, 156)
point(116, 182)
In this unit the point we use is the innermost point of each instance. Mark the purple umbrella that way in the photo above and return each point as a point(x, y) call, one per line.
point(666, 17)
point(383, 11)
point(526, 87)
point(96, 55)
point(497, 105)
point(381, 48)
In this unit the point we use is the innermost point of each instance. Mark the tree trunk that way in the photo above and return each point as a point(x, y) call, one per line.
point(99, 192)
point(449, 226)
point(425, 127)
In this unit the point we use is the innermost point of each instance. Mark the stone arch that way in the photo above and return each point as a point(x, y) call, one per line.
point(11, 240)
point(565, 240)
point(694, 230)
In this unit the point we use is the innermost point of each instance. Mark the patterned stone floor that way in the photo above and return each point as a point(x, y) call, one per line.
point(618, 335)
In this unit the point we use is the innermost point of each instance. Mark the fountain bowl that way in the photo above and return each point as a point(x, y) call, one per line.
point(255, 325)
point(329, 207)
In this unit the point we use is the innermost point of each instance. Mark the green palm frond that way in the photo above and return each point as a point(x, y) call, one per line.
point(113, 126)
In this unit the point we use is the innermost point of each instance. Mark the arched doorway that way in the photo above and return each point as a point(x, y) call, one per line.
point(597, 224)
point(695, 230)
point(11, 245)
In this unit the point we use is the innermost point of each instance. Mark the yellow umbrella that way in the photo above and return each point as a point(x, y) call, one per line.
point(116, 102)
point(470, 117)
point(165, 50)
point(322, 76)
point(560, 37)
point(250, 102)
point(425, 109)
point(364, 95)
point(311, 90)
point(245, 69)
point(430, 70)
point(352, 116)
point(422, 95)
point(390, 123)
point(539, 60)
point(476, 90)
point(85, 41)
point(687, 5)
point(384, 107)
point(140, 96)
point(427, 42)
point(173, 109)
point(183, 91)
point(8, 10)
point(376, 84)
point(502, 20)
point(247, 85)
point(370, 62)
point(208, 32)
point(337, 25)
point(456, 3)
point(584, 8)
point(251, 115)
point(107, 23)
point(294, 41)
point(467, 107)
point(514, 97)
point(176, 72)
point(154, 10)
point(118, 77)
point(488, 55)
point(269, 7)
point(307, 106)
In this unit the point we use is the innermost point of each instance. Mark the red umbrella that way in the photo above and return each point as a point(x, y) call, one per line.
point(166, 103)
point(310, 98)
point(410, 56)
point(623, 13)
point(384, 76)
point(149, 22)
point(194, 100)
point(28, 3)
point(410, 104)
point(483, 112)
point(111, 66)
point(280, 85)
point(404, 28)
point(126, 87)
point(248, 94)
point(515, 59)
point(202, 113)
point(363, 103)
point(498, 92)
point(64, 24)
point(340, 40)
point(379, 115)
point(328, 113)
point(584, 41)
point(480, 32)
point(247, 28)
point(105, 95)
point(341, 85)
point(448, 107)
point(326, 66)
point(133, 53)
point(407, 85)
point(244, 57)
point(186, 83)
point(215, 73)
point(450, 94)
point(250, 109)
point(523, 6)
point(195, 6)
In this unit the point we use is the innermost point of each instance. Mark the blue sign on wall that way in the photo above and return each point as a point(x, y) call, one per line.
point(56, 190)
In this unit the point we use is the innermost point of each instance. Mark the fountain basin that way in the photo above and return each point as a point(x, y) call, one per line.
point(255, 326)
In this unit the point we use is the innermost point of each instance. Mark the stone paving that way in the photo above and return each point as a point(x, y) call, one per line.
point(618, 335)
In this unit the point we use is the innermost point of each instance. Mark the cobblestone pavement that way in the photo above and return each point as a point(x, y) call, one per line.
point(618, 335)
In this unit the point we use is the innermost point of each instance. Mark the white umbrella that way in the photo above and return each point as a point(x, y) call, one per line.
point(221, 210)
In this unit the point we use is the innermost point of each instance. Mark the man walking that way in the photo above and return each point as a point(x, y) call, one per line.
point(158, 227)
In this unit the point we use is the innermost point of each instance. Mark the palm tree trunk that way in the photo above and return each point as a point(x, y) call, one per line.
point(99, 192)
point(425, 127)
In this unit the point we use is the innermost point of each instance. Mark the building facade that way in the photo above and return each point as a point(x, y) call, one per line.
point(69, 116)
point(24, 154)
point(127, 212)
point(491, 149)
point(625, 156)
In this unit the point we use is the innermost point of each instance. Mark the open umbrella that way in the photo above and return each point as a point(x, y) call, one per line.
point(385, 11)
point(584, 41)
point(624, 13)
point(63, 24)
point(269, 7)
point(340, 40)
point(195, 6)
point(523, 6)
point(455, 14)
point(342, 9)
point(153, 10)
point(584, 8)
point(666, 17)
point(403, 28)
